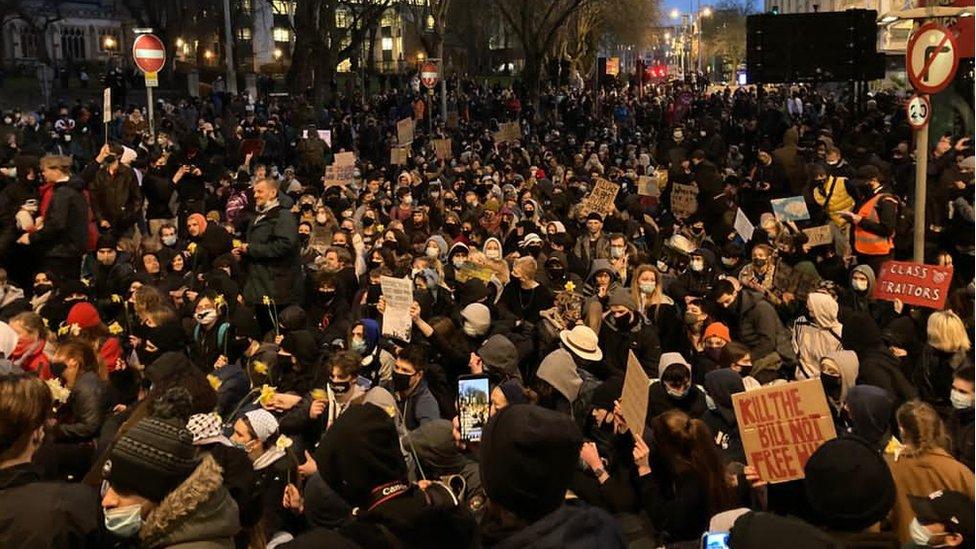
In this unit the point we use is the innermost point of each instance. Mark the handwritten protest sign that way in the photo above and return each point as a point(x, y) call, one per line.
point(405, 129)
point(398, 294)
point(743, 226)
point(508, 131)
point(793, 208)
point(684, 200)
point(633, 399)
point(914, 283)
point(399, 155)
point(442, 149)
point(600, 199)
point(782, 426)
point(819, 236)
point(342, 171)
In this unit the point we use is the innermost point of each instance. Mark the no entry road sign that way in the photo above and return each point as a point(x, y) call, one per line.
point(931, 58)
point(430, 74)
point(149, 53)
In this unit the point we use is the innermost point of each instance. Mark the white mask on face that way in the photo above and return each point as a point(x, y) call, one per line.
point(697, 265)
point(493, 253)
point(960, 400)
point(859, 284)
point(470, 330)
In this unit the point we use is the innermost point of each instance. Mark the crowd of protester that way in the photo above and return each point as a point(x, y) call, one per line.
point(194, 355)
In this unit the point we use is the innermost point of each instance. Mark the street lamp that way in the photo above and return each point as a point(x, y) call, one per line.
point(420, 56)
point(675, 13)
point(278, 54)
point(109, 42)
point(706, 12)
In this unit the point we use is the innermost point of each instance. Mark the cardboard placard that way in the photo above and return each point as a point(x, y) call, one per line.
point(398, 294)
point(399, 155)
point(782, 426)
point(819, 236)
point(633, 398)
point(405, 129)
point(442, 149)
point(601, 198)
point(793, 208)
point(743, 226)
point(508, 131)
point(342, 171)
point(684, 200)
point(914, 283)
point(648, 186)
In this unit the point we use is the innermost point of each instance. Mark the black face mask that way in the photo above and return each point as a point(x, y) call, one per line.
point(401, 382)
point(367, 222)
point(340, 387)
point(625, 322)
point(42, 288)
point(831, 385)
point(327, 295)
point(451, 229)
point(390, 245)
point(556, 273)
point(58, 368)
point(304, 238)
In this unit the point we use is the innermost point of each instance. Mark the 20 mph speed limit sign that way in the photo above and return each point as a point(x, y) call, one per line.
point(919, 111)
point(931, 58)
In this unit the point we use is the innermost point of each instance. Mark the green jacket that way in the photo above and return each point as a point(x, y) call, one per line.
point(272, 259)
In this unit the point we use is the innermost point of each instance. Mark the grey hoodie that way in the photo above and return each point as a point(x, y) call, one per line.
point(559, 370)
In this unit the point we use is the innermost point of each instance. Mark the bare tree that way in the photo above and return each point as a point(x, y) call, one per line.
point(536, 24)
point(724, 33)
point(606, 22)
point(321, 43)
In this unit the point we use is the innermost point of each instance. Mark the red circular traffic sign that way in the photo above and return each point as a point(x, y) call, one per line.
point(931, 58)
point(919, 111)
point(429, 74)
point(149, 53)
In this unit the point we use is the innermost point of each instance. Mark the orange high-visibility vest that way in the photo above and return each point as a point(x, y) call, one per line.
point(866, 242)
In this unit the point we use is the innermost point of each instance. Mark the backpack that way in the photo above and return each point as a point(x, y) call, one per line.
point(904, 218)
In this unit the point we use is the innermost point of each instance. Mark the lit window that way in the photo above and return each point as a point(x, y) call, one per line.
point(283, 7)
point(244, 33)
point(343, 18)
point(387, 43)
point(281, 34)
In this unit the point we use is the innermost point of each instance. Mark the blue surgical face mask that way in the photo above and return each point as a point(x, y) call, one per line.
point(124, 522)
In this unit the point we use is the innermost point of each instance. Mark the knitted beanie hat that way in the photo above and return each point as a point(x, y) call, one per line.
point(152, 458)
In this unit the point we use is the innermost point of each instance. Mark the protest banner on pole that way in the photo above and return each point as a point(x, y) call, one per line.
point(442, 149)
point(342, 171)
point(819, 236)
point(398, 294)
point(600, 199)
point(106, 110)
point(793, 208)
point(405, 129)
point(684, 200)
point(782, 426)
point(914, 283)
point(633, 398)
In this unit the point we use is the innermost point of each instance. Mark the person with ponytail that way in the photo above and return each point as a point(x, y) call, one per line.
point(681, 477)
